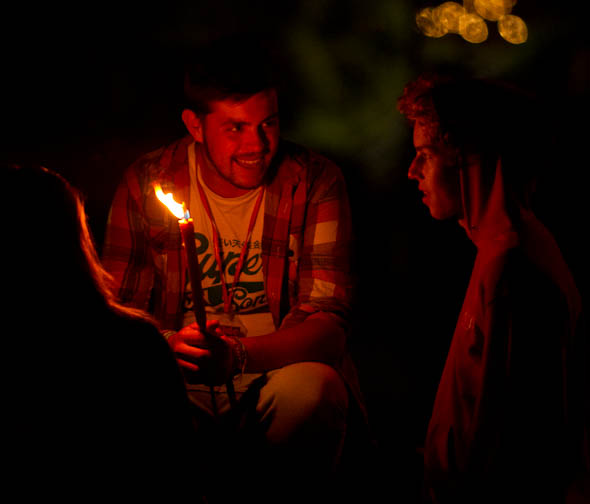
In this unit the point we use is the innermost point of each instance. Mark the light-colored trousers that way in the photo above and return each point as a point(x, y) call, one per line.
point(298, 413)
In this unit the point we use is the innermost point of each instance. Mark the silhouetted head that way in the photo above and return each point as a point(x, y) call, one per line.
point(51, 245)
point(52, 268)
point(458, 119)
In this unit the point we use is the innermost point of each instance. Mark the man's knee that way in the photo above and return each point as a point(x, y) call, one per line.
point(306, 396)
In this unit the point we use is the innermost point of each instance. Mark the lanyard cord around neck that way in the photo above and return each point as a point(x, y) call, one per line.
point(228, 296)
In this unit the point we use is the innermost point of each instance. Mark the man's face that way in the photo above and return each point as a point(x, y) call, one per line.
point(241, 140)
point(437, 173)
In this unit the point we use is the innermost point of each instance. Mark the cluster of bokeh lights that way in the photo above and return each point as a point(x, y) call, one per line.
point(469, 20)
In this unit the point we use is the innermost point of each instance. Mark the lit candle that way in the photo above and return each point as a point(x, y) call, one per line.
point(187, 230)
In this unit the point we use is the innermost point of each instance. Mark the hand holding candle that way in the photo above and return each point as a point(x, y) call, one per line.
point(188, 239)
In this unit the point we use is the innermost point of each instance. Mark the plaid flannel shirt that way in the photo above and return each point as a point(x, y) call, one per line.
point(305, 247)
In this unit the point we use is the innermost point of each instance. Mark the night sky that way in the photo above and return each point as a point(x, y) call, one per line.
point(87, 90)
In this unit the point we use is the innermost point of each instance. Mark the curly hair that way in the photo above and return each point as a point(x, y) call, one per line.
point(417, 103)
point(474, 113)
point(484, 116)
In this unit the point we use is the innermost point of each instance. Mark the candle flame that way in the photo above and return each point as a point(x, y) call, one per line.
point(168, 200)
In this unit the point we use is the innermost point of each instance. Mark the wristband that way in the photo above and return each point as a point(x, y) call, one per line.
point(240, 354)
point(167, 334)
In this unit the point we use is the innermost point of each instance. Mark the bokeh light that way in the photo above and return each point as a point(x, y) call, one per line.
point(469, 20)
point(428, 22)
point(449, 14)
point(492, 10)
point(513, 29)
point(473, 28)
point(468, 5)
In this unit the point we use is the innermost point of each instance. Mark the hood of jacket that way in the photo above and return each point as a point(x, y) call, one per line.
point(492, 210)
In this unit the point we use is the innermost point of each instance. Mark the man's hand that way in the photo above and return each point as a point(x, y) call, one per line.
point(204, 357)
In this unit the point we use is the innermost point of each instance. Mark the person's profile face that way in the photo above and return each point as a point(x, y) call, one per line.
point(241, 139)
point(435, 169)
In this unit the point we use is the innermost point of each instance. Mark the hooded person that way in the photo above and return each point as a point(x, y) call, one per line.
point(508, 417)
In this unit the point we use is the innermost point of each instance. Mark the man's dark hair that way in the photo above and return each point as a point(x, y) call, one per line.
point(233, 67)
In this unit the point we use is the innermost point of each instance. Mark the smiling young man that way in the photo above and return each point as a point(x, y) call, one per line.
point(272, 233)
point(508, 418)
point(240, 139)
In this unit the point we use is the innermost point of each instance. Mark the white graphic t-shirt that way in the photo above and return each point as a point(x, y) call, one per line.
point(232, 216)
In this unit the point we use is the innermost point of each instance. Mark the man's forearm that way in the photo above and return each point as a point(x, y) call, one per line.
point(318, 339)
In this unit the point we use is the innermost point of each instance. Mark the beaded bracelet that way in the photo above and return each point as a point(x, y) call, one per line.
point(167, 334)
point(240, 354)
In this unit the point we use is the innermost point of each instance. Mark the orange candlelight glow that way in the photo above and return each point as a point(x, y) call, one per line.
point(176, 208)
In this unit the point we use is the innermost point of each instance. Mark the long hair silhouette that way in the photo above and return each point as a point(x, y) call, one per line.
point(94, 389)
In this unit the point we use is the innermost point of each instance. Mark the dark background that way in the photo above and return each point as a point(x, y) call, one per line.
point(87, 90)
